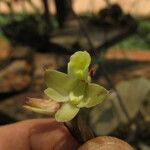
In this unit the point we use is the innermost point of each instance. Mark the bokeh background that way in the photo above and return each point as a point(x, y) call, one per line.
point(40, 34)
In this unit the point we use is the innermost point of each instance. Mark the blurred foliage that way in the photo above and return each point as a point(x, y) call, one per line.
point(136, 40)
point(113, 17)
point(22, 21)
point(7, 18)
point(145, 24)
point(32, 29)
point(25, 29)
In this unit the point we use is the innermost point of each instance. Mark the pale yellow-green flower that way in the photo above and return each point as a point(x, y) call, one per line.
point(73, 90)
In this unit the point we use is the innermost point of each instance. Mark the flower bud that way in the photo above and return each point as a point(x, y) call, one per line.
point(43, 106)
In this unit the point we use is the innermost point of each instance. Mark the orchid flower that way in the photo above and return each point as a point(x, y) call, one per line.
point(74, 89)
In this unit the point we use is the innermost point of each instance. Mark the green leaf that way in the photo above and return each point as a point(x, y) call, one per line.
point(58, 81)
point(66, 113)
point(95, 94)
point(54, 95)
point(78, 65)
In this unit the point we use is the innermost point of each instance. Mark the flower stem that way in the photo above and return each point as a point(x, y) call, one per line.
point(79, 129)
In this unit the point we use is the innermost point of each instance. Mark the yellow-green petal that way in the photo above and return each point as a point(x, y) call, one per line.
point(54, 95)
point(66, 113)
point(78, 65)
point(58, 81)
point(95, 94)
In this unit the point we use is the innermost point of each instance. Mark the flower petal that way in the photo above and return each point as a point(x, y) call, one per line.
point(78, 65)
point(95, 94)
point(54, 95)
point(58, 81)
point(66, 113)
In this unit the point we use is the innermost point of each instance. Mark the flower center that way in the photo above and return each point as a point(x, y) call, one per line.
point(75, 100)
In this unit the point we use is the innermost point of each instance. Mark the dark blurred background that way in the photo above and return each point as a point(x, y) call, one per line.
point(40, 34)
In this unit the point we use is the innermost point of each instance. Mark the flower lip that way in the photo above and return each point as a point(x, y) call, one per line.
point(75, 100)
